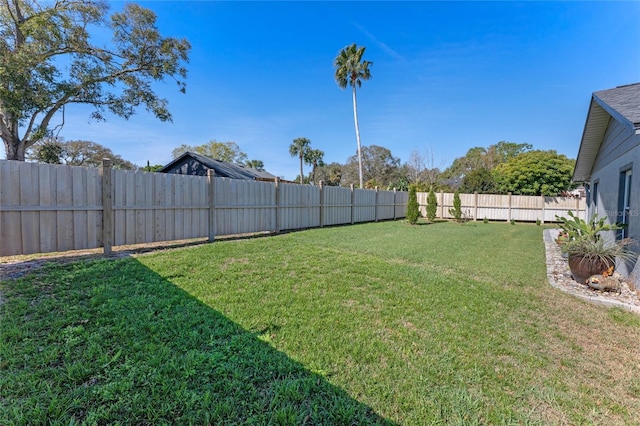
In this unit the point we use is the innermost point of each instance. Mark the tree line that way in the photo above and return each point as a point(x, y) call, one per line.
point(498, 169)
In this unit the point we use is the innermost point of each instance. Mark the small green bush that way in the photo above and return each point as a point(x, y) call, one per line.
point(538, 222)
point(413, 209)
point(456, 211)
point(432, 205)
point(513, 221)
point(485, 220)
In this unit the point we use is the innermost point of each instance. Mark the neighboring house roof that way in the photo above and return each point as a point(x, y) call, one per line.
point(222, 168)
point(621, 103)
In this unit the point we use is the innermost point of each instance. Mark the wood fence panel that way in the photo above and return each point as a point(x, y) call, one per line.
point(526, 208)
point(29, 197)
point(10, 222)
point(386, 205)
point(422, 202)
point(494, 207)
point(337, 205)
point(80, 232)
point(47, 222)
point(561, 205)
point(244, 206)
point(299, 206)
point(365, 205)
point(402, 199)
point(42, 205)
point(119, 197)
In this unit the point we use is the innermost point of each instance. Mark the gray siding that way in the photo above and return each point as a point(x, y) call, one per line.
point(620, 147)
point(618, 141)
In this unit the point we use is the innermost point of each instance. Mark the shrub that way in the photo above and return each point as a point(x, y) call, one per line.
point(513, 221)
point(485, 220)
point(456, 211)
point(577, 228)
point(538, 222)
point(413, 210)
point(432, 205)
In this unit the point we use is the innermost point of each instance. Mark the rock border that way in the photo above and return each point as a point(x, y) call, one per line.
point(559, 277)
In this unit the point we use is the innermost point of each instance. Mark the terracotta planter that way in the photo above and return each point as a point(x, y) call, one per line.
point(582, 268)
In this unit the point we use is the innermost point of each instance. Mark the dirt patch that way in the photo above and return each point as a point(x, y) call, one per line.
point(12, 267)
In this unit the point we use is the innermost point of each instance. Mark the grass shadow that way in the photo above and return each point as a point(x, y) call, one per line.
point(109, 341)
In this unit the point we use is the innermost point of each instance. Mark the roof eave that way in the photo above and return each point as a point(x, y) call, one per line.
point(594, 128)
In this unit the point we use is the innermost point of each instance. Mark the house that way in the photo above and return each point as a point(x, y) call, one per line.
point(608, 158)
point(194, 164)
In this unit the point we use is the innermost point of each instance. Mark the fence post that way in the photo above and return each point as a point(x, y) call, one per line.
point(277, 183)
point(475, 206)
point(543, 204)
point(509, 209)
point(353, 204)
point(441, 203)
point(107, 207)
point(211, 180)
point(321, 188)
point(377, 201)
point(395, 192)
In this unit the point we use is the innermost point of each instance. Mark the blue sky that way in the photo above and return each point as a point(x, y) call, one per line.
point(446, 76)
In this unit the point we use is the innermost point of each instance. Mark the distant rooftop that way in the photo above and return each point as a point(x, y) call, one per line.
point(222, 168)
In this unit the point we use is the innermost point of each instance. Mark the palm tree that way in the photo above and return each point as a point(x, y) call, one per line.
point(255, 164)
point(299, 148)
point(351, 69)
point(314, 158)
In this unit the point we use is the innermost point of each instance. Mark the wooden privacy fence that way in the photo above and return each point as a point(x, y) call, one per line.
point(507, 207)
point(47, 208)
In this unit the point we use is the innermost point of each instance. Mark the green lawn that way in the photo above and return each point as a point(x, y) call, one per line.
point(366, 324)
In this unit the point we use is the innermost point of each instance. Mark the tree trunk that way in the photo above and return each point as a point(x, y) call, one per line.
point(355, 119)
point(301, 167)
point(14, 148)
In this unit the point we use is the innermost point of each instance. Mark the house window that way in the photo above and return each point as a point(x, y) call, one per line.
point(624, 194)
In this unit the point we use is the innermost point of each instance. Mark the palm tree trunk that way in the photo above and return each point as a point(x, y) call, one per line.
point(355, 119)
point(300, 167)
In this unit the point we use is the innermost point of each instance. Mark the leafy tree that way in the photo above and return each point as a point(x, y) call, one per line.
point(380, 167)
point(330, 174)
point(47, 62)
point(48, 150)
point(456, 211)
point(255, 164)
point(432, 206)
point(300, 148)
point(480, 180)
point(484, 158)
point(535, 173)
point(403, 184)
point(473, 159)
point(150, 168)
point(229, 152)
point(413, 209)
point(314, 158)
point(77, 153)
point(351, 70)
point(504, 151)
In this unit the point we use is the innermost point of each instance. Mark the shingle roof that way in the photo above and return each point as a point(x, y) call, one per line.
point(222, 168)
point(625, 100)
point(621, 103)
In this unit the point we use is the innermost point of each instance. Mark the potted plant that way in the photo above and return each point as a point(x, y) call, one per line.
point(588, 254)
